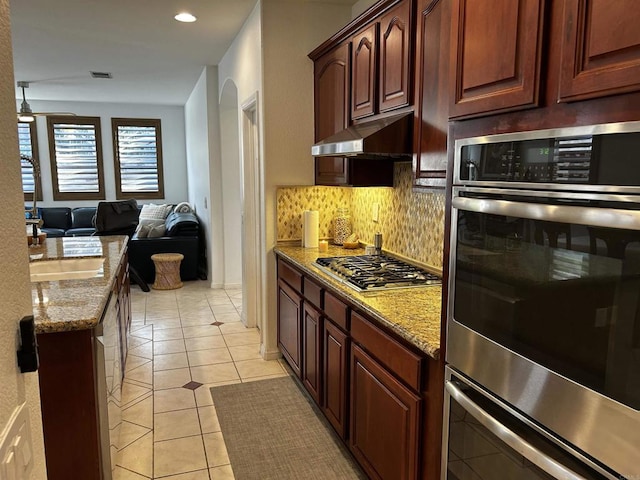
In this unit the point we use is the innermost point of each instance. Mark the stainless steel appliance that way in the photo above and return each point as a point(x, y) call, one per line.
point(371, 273)
point(543, 320)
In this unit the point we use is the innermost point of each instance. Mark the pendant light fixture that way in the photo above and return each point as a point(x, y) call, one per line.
point(26, 114)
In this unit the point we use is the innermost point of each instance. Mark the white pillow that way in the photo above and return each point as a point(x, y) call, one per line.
point(150, 228)
point(151, 211)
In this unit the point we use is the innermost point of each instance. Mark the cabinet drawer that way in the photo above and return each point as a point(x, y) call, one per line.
point(336, 310)
point(405, 364)
point(312, 292)
point(290, 275)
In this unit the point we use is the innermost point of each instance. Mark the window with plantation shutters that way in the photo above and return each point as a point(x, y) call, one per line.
point(75, 145)
point(137, 147)
point(28, 142)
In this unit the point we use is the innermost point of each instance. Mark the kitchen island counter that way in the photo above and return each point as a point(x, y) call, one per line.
point(413, 313)
point(69, 305)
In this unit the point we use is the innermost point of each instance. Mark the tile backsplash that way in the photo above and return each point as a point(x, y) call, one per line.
point(411, 222)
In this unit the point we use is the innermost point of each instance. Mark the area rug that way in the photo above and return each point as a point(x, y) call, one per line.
point(273, 431)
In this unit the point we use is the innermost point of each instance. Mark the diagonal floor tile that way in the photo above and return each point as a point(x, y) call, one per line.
point(134, 362)
point(124, 474)
point(140, 413)
point(209, 357)
point(130, 432)
point(171, 378)
point(138, 457)
point(216, 449)
point(131, 392)
point(173, 399)
point(144, 351)
point(142, 374)
point(181, 455)
point(176, 424)
point(170, 361)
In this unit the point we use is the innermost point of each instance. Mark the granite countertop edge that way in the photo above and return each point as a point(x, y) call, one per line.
point(412, 299)
point(73, 305)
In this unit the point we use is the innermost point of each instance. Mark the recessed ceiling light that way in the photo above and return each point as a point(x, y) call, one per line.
point(185, 17)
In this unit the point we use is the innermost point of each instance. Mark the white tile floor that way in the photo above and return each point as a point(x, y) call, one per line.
point(181, 343)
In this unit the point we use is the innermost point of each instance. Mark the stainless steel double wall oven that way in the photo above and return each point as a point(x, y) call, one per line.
point(543, 327)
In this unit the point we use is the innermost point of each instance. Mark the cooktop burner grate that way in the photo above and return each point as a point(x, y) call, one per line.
point(377, 272)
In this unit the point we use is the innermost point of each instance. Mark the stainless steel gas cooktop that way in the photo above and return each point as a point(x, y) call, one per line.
point(367, 273)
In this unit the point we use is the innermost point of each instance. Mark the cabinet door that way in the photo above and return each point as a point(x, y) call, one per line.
point(335, 369)
point(331, 82)
point(495, 56)
point(600, 49)
point(395, 57)
point(432, 94)
point(363, 73)
point(384, 421)
point(289, 340)
point(311, 349)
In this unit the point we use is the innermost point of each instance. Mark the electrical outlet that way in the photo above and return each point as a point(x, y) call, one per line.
point(375, 212)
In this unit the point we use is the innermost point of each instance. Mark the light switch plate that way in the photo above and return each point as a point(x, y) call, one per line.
point(15, 445)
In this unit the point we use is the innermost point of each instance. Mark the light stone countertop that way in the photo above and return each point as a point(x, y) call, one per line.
point(67, 305)
point(413, 313)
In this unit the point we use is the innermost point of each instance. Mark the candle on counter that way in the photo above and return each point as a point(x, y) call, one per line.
point(323, 246)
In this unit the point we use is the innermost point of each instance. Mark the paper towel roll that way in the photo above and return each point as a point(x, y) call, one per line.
point(310, 227)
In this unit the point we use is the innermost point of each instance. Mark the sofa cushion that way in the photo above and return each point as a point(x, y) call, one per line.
point(150, 229)
point(151, 211)
point(53, 232)
point(56, 218)
point(83, 217)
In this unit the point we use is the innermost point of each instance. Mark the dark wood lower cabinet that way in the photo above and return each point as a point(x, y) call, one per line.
point(384, 421)
point(311, 350)
point(289, 340)
point(335, 368)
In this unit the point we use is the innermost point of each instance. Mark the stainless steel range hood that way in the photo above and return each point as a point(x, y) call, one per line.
point(382, 137)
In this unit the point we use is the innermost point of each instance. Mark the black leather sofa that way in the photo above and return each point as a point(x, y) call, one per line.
point(183, 235)
point(67, 222)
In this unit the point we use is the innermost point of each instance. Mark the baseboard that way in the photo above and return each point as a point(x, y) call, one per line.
point(232, 286)
point(270, 355)
point(217, 285)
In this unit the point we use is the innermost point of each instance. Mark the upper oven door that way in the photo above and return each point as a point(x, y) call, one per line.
point(554, 285)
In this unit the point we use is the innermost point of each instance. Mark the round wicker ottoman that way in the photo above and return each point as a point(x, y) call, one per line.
point(167, 271)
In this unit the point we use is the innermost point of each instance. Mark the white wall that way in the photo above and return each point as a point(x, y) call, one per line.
point(360, 6)
point(173, 146)
point(204, 168)
point(231, 184)
point(290, 30)
point(15, 288)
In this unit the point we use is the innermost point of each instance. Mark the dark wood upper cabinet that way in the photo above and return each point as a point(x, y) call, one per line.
point(431, 115)
point(363, 72)
point(496, 48)
point(395, 55)
point(600, 49)
point(331, 83)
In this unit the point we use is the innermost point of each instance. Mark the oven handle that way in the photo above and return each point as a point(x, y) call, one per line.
point(524, 448)
point(589, 216)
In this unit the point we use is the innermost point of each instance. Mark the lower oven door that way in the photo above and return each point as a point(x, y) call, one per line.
point(544, 311)
point(488, 440)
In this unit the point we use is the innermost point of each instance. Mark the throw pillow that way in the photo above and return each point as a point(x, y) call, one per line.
point(151, 211)
point(150, 228)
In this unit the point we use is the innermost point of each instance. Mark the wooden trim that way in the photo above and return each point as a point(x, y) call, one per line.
point(138, 122)
point(352, 27)
point(95, 121)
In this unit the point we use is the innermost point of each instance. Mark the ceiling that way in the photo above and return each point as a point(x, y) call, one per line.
point(153, 58)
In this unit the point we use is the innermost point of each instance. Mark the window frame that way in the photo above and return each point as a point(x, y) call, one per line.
point(33, 134)
point(52, 120)
point(138, 122)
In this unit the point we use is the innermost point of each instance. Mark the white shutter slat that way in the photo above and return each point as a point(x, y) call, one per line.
point(76, 154)
point(138, 158)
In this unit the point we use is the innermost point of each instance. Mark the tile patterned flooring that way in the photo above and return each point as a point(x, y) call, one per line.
point(181, 343)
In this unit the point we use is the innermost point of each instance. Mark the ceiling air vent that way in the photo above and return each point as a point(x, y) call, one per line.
point(101, 75)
